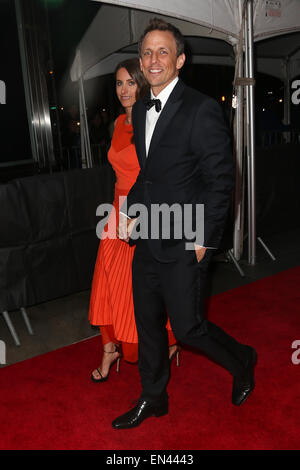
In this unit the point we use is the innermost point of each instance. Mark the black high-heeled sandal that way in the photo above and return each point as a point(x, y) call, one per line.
point(104, 378)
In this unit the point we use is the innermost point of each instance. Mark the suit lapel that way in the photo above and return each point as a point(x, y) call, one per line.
point(139, 128)
point(171, 107)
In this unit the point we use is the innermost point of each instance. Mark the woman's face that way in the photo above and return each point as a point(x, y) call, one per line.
point(126, 88)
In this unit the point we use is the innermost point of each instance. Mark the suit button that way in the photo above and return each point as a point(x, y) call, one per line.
point(148, 182)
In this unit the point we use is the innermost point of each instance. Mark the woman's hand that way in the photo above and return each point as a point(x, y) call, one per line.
point(125, 227)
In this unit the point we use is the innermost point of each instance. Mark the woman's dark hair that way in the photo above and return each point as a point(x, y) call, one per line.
point(161, 25)
point(133, 68)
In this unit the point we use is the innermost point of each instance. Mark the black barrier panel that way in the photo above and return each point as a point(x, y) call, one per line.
point(277, 170)
point(46, 206)
point(277, 189)
point(15, 229)
point(48, 242)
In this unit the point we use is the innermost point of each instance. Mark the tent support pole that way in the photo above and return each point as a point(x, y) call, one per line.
point(239, 164)
point(84, 129)
point(251, 137)
point(249, 73)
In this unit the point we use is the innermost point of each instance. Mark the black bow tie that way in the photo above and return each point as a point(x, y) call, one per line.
point(156, 103)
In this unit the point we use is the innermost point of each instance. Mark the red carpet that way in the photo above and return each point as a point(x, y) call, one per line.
point(48, 402)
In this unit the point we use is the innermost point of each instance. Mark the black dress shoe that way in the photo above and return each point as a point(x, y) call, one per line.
point(244, 385)
point(144, 409)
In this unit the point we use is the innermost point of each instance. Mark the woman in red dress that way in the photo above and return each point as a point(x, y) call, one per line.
point(111, 303)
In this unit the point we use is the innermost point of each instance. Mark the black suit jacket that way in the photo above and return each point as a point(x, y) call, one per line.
point(189, 161)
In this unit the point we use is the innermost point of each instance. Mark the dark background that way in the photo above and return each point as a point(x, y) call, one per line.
point(68, 21)
point(14, 131)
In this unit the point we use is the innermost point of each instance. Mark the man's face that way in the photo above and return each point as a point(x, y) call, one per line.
point(159, 61)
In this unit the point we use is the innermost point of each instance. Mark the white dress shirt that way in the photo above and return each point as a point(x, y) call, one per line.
point(152, 115)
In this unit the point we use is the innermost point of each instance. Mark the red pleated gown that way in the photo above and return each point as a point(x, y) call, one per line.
point(111, 302)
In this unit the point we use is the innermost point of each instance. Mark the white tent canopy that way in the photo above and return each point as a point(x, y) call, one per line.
point(271, 17)
point(117, 27)
point(113, 29)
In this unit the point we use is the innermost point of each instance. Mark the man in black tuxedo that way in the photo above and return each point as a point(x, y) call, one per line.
point(185, 157)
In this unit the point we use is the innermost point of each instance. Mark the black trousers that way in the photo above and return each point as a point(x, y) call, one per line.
point(178, 289)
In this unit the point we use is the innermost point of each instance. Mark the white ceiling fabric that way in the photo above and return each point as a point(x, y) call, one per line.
point(121, 22)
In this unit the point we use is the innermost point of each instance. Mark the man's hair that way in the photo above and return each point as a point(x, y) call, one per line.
point(161, 25)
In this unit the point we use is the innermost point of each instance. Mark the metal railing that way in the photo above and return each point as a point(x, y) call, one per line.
point(72, 157)
point(268, 138)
